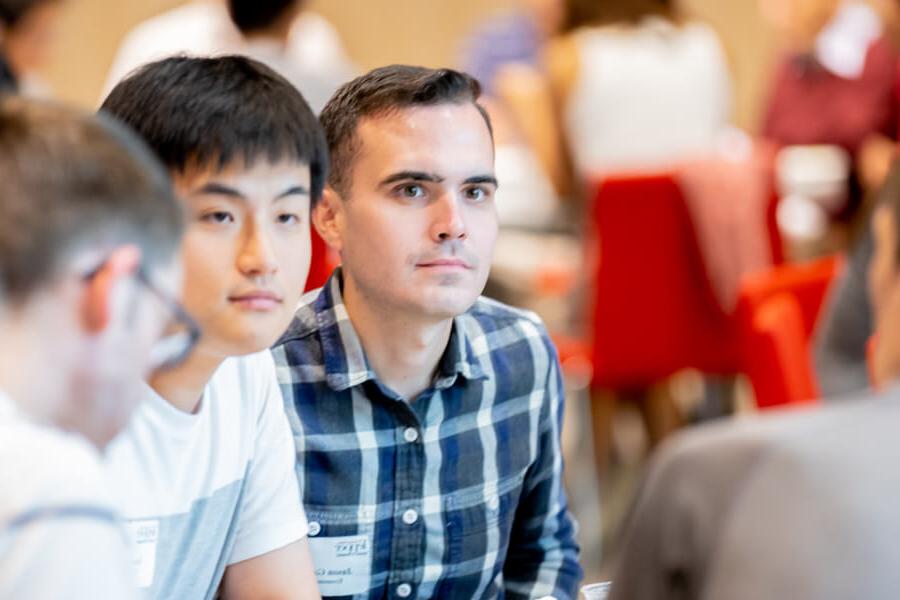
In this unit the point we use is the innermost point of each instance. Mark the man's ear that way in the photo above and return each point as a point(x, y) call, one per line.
point(99, 298)
point(328, 217)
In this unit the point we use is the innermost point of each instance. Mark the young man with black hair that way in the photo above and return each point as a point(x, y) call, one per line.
point(426, 418)
point(88, 272)
point(205, 470)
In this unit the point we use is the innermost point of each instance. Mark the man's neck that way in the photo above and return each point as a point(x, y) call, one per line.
point(183, 386)
point(20, 361)
point(403, 351)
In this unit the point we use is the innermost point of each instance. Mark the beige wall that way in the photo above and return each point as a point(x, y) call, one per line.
point(383, 31)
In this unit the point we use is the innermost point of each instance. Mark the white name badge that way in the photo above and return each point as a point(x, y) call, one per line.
point(144, 537)
point(343, 564)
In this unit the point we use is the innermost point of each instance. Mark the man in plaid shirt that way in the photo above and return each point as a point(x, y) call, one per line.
point(427, 419)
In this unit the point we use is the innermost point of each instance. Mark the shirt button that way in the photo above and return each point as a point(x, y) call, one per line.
point(404, 590)
point(493, 503)
point(410, 434)
point(314, 528)
point(410, 516)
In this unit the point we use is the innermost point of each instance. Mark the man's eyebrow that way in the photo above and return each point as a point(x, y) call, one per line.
point(219, 189)
point(482, 179)
point(411, 176)
point(294, 190)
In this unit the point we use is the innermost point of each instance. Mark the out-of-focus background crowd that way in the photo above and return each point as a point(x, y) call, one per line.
point(685, 187)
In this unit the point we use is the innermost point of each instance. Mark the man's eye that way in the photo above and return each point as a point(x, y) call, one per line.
point(477, 194)
point(412, 190)
point(218, 216)
point(289, 219)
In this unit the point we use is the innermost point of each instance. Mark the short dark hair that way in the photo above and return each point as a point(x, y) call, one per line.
point(210, 111)
point(12, 11)
point(254, 15)
point(382, 91)
point(71, 181)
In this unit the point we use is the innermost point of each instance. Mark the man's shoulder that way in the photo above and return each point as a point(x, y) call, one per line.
point(798, 440)
point(498, 329)
point(39, 464)
point(493, 315)
point(244, 381)
point(306, 321)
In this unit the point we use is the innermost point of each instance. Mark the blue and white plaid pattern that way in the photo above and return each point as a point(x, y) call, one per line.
point(460, 491)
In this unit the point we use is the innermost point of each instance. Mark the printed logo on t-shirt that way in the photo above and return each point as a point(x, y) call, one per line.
point(144, 537)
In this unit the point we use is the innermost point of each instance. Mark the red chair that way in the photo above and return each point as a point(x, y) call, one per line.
point(321, 263)
point(777, 314)
point(654, 312)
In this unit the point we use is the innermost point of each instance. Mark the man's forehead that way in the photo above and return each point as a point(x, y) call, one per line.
point(435, 139)
point(426, 119)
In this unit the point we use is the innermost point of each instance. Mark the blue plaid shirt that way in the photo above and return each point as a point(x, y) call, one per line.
point(459, 492)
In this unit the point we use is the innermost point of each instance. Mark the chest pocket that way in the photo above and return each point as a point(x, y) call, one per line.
point(342, 551)
point(480, 521)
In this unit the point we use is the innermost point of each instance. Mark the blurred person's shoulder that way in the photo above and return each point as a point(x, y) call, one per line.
point(804, 437)
point(40, 465)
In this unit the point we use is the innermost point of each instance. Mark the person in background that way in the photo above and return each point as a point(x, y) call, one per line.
point(284, 32)
point(836, 84)
point(205, 471)
point(753, 509)
point(266, 26)
point(427, 418)
point(513, 37)
point(835, 81)
point(89, 271)
point(27, 31)
point(634, 86)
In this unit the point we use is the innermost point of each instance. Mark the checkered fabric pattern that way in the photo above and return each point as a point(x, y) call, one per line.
point(459, 491)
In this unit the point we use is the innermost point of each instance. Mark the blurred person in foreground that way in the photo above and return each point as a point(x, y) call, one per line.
point(797, 505)
point(28, 29)
point(426, 417)
point(88, 272)
point(284, 34)
point(205, 470)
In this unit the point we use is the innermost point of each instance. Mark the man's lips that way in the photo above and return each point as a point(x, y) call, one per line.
point(444, 263)
point(257, 300)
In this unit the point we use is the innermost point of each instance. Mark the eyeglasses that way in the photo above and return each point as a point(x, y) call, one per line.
point(174, 347)
point(182, 333)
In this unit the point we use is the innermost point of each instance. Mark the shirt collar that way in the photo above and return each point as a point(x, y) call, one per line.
point(345, 360)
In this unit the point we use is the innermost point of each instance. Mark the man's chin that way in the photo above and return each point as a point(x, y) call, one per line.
point(252, 340)
point(449, 305)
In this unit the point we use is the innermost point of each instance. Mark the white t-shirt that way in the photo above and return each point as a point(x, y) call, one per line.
point(646, 96)
point(314, 59)
point(206, 490)
point(59, 534)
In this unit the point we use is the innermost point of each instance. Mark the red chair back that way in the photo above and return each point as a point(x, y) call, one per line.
point(778, 311)
point(653, 308)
